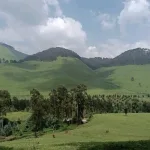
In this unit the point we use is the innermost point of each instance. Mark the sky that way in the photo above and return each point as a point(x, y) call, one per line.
point(92, 28)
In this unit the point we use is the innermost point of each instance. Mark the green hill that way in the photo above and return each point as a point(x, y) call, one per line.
point(20, 78)
point(9, 53)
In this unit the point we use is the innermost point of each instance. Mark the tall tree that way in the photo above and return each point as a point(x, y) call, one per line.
point(5, 101)
point(38, 110)
point(80, 93)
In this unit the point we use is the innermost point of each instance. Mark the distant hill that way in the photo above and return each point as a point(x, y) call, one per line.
point(9, 53)
point(138, 56)
point(51, 54)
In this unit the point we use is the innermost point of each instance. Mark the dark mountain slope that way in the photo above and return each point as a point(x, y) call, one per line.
point(52, 54)
point(136, 56)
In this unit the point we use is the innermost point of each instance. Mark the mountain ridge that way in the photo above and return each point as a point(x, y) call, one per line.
point(137, 56)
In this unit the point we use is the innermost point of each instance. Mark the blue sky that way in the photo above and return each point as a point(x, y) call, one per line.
point(95, 28)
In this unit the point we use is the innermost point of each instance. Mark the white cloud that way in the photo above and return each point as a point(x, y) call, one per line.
point(65, 32)
point(35, 25)
point(114, 47)
point(107, 21)
point(134, 12)
point(92, 51)
point(31, 27)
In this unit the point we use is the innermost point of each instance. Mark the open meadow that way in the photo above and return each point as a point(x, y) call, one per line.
point(101, 128)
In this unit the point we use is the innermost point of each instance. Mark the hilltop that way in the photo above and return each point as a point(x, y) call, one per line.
point(51, 54)
point(138, 56)
point(8, 52)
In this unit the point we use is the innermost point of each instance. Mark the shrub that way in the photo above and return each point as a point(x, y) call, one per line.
point(8, 130)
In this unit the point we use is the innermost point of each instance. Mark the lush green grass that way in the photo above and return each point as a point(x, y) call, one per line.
point(120, 128)
point(19, 79)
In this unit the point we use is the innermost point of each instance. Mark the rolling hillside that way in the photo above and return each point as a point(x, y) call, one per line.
point(20, 78)
point(9, 53)
point(122, 77)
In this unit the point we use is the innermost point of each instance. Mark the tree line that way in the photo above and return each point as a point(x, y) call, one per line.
point(71, 106)
point(5, 61)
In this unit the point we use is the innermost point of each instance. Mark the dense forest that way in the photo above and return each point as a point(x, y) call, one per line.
point(73, 106)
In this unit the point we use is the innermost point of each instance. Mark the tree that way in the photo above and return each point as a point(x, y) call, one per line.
point(80, 94)
point(5, 101)
point(38, 111)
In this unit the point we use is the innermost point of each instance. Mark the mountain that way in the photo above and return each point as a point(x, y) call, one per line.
point(51, 54)
point(138, 56)
point(9, 53)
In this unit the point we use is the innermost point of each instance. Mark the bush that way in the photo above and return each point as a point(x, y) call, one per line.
point(8, 130)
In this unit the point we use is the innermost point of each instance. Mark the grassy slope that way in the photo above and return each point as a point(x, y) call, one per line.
point(10, 54)
point(19, 79)
point(121, 76)
point(121, 128)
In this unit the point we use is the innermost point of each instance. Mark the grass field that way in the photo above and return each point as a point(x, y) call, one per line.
point(19, 79)
point(121, 128)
